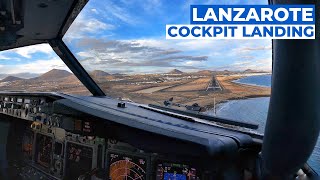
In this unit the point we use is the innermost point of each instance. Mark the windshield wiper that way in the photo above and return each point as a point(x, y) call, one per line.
point(205, 117)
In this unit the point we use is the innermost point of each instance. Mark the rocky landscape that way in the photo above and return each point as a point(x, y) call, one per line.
point(187, 88)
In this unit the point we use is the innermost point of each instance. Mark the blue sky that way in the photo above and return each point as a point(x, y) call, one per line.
point(129, 36)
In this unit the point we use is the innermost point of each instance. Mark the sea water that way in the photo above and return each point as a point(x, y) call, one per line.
point(262, 80)
point(255, 110)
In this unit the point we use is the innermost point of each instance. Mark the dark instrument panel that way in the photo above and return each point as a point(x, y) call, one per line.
point(57, 154)
point(27, 144)
point(58, 143)
point(43, 150)
point(78, 160)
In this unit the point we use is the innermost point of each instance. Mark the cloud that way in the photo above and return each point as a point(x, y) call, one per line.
point(247, 57)
point(260, 64)
point(37, 67)
point(130, 12)
point(170, 51)
point(4, 57)
point(224, 2)
point(84, 54)
point(211, 47)
point(159, 54)
point(93, 25)
point(94, 10)
point(30, 60)
point(20, 75)
point(84, 26)
point(152, 6)
point(137, 42)
point(193, 63)
point(28, 51)
point(248, 49)
point(121, 48)
point(128, 48)
point(200, 44)
point(118, 13)
point(115, 54)
point(184, 58)
point(246, 46)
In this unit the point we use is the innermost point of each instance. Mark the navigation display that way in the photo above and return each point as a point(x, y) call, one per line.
point(44, 150)
point(122, 167)
point(172, 171)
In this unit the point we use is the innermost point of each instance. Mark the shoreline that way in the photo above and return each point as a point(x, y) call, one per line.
point(238, 91)
point(190, 91)
point(251, 84)
point(211, 106)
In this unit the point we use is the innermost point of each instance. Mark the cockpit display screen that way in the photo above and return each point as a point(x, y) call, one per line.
point(172, 171)
point(27, 144)
point(79, 160)
point(122, 167)
point(44, 150)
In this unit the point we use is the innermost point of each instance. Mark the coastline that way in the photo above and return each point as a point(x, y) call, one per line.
point(219, 103)
point(233, 108)
point(252, 84)
point(236, 91)
point(190, 91)
point(249, 84)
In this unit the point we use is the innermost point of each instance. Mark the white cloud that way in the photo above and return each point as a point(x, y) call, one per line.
point(94, 10)
point(200, 44)
point(85, 54)
point(193, 63)
point(185, 45)
point(209, 47)
point(84, 25)
point(93, 25)
point(228, 54)
point(253, 48)
point(117, 12)
point(223, 2)
point(153, 42)
point(29, 50)
point(120, 14)
point(261, 64)
point(152, 6)
point(38, 67)
point(3, 57)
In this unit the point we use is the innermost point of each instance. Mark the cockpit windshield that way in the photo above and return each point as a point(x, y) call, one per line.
point(122, 45)
point(37, 68)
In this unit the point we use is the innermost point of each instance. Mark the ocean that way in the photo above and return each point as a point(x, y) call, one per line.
point(255, 110)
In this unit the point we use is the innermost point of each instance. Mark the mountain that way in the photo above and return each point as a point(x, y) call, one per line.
point(249, 71)
point(118, 74)
point(175, 71)
point(253, 71)
point(11, 78)
point(99, 73)
point(69, 80)
point(53, 75)
point(20, 75)
point(207, 72)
